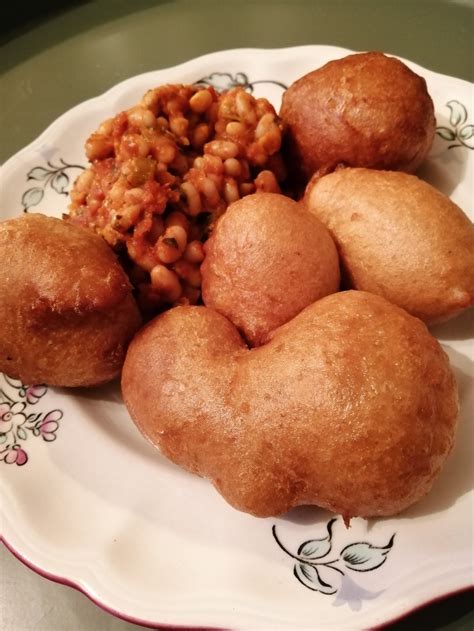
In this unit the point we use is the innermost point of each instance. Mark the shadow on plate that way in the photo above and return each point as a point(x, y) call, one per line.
point(307, 515)
point(109, 393)
point(459, 328)
point(116, 426)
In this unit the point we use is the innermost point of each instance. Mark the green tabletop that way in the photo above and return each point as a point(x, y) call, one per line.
point(57, 54)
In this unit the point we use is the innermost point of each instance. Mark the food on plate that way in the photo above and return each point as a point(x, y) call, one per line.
point(399, 237)
point(281, 390)
point(163, 171)
point(366, 110)
point(66, 306)
point(267, 259)
point(351, 405)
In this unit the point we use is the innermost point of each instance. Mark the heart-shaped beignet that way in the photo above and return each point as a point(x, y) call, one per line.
point(266, 260)
point(351, 405)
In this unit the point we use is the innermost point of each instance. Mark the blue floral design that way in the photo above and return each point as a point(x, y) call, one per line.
point(314, 570)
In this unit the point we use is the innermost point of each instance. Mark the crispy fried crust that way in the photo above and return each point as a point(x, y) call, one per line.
point(366, 110)
point(351, 405)
point(399, 237)
point(267, 259)
point(66, 307)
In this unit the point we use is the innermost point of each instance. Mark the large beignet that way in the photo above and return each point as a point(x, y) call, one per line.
point(399, 237)
point(351, 405)
point(366, 110)
point(66, 308)
point(267, 259)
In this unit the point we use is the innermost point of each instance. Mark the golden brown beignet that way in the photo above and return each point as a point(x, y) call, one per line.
point(366, 110)
point(399, 237)
point(266, 260)
point(66, 309)
point(351, 405)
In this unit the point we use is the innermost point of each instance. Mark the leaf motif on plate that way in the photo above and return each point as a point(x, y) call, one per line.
point(466, 134)
point(52, 175)
point(461, 131)
point(32, 418)
point(20, 432)
point(38, 173)
point(241, 79)
point(227, 81)
point(319, 573)
point(314, 549)
point(458, 114)
point(363, 557)
point(317, 548)
point(309, 576)
point(60, 183)
point(32, 197)
point(446, 133)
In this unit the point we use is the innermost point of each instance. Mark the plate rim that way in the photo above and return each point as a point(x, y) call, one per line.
point(62, 580)
point(51, 128)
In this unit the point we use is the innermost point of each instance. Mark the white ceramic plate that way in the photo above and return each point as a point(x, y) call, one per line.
point(87, 501)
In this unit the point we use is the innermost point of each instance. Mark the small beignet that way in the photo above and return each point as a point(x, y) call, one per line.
point(267, 259)
point(366, 110)
point(66, 308)
point(399, 237)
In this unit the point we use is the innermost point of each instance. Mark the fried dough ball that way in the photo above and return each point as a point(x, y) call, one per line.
point(399, 237)
point(366, 110)
point(66, 307)
point(350, 406)
point(266, 260)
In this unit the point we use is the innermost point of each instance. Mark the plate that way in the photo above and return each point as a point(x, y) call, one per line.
point(88, 502)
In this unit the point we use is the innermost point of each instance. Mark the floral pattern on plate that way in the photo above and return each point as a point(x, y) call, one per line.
point(19, 422)
point(316, 572)
point(460, 133)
